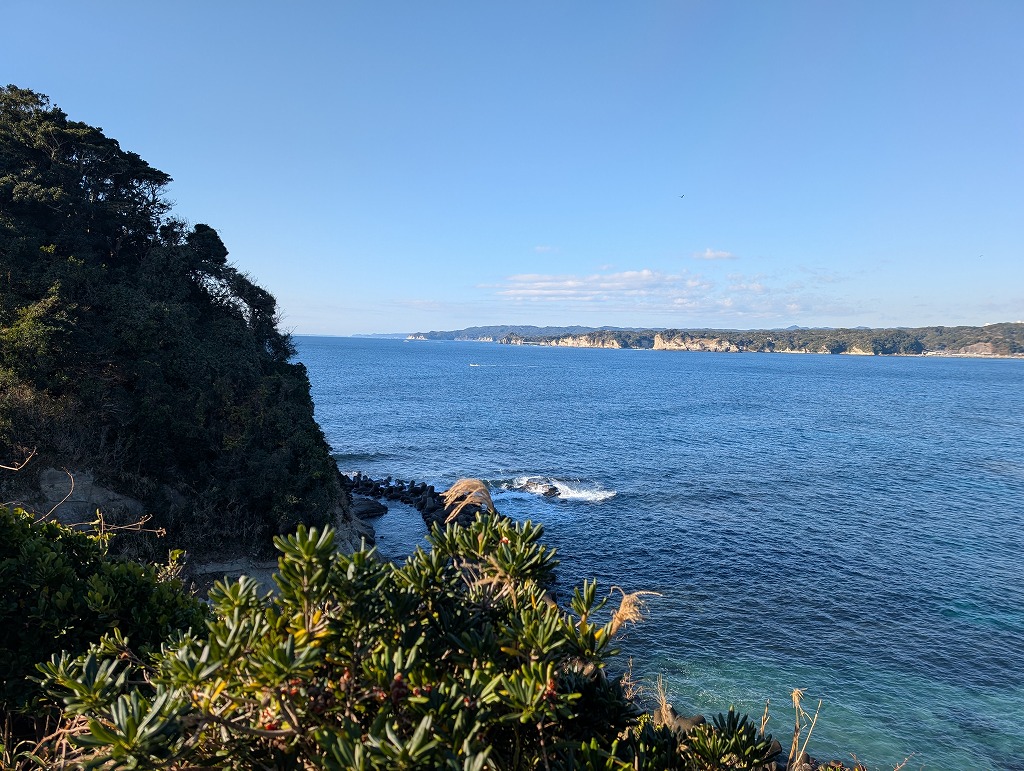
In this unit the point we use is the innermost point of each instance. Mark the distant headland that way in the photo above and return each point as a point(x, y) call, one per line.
point(1005, 340)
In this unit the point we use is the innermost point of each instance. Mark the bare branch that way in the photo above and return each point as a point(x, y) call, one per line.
point(65, 498)
point(21, 465)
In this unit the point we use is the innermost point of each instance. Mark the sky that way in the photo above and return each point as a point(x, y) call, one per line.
point(386, 167)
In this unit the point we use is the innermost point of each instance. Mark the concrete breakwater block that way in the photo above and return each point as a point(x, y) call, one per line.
point(423, 497)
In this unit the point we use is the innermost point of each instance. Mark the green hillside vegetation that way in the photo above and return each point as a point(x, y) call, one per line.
point(130, 346)
point(1005, 339)
point(62, 592)
point(457, 659)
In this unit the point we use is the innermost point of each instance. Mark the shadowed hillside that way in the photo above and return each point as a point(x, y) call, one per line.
point(133, 354)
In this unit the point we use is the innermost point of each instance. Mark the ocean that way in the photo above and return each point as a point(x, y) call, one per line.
point(852, 526)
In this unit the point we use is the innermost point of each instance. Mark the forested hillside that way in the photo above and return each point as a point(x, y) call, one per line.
point(131, 347)
point(992, 340)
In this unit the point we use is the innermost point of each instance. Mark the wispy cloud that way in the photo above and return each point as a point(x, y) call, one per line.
point(602, 286)
point(714, 254)
point(681, 296)
point(542, 248)
point(822, 276)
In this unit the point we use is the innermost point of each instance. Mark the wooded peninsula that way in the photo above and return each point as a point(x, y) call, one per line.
point(992, 340)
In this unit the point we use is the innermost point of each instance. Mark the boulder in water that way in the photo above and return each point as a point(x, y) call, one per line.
point(367, 508)
point(667, 716)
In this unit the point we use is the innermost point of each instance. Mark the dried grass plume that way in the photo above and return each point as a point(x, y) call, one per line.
point(631, 609)
point(465, 493)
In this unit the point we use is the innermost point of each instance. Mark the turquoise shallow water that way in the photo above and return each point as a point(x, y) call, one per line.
point(852, 526)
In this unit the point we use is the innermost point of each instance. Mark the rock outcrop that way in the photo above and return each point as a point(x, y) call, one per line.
point(434, 507)
point(584, 341)
point(74, 496)
point(688, 343)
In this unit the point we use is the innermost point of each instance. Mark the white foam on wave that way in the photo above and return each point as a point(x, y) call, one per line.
point(568, 489)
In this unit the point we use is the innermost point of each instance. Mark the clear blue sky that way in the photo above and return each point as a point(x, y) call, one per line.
point(406, 166)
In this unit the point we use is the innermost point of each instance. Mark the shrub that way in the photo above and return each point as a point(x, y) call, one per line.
point(459, 658)
point(59, 591)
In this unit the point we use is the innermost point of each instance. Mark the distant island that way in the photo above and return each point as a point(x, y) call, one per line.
point(992, 340)
point(498, 333)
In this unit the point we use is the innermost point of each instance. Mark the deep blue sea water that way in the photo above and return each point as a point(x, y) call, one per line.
point(852, 526)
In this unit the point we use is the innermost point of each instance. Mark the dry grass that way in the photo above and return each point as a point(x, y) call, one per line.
point(465, 493)
point(662, 695)
point(55, 750)
point(631, 610)
point(631, 687)
point(802, 721)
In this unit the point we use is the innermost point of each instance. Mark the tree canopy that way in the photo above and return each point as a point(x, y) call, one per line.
point(130, 345)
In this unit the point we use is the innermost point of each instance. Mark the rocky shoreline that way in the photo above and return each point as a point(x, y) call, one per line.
point(762, 343)
point(367, 494)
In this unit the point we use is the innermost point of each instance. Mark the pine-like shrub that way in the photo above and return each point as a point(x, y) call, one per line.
point(458, 658)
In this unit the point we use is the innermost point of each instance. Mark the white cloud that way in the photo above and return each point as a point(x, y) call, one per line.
point(597, 286)
point(673, 298)
point(714, 254)
point(541, 248)
point(741, 283)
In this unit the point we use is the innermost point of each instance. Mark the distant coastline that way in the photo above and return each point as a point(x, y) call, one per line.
point(1004, 340)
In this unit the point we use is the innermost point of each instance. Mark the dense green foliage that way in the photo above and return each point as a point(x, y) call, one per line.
point(457, 659)
point(130, 345)
point(995, 339)
point(61, 592)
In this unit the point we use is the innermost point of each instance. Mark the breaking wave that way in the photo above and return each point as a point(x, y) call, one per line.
point(553, 488)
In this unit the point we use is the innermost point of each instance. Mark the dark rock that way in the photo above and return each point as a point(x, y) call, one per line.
point(664, 716)
point(678, 723)
point(803, 763)
point(367, 508)
point(687, 724)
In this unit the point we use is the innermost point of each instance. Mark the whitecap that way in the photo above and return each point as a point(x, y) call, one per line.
point(555, 488)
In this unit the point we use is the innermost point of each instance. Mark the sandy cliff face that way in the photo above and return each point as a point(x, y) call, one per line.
point(714, 344)
point(978, 349)
point(584, 341)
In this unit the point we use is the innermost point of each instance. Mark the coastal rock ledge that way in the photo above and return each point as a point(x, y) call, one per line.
point(711, 344)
